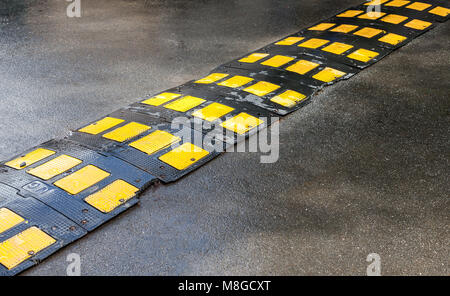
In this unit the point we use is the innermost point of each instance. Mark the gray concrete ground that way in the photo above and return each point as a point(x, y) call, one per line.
point(363, 169)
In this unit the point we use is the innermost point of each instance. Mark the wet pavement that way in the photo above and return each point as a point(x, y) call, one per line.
point(362, 169)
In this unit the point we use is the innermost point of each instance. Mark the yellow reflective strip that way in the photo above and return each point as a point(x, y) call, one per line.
point(22, 246)
point(101, 125)
point(30, 158)
point(376, 2)
point(363, 55)
point(321, 27)
point(392, 38)
point(328, 74)
point(8, 219)
point(236, 81)
point(289, 98)
point(212, 78)
point(418, 24)
point(161, 99)
point(394, 19)
point(241, 123)
point(112, 196)
point(420, 6)
point(344, 28)
point(82, 179)
point(54, 167)
point(368, 32)
point(262, 88)
point(184, 104)
point(212, 112)
point(126, 132)
point(290, 40)
point(314, 43)
point(350, 13)
point(155, 142)
point(277, 61)
point(337, 48)
point(441, 11)
point(183, 156)
point(372, 15)
point(397, 3)
point(254, 57)
point(302, 67)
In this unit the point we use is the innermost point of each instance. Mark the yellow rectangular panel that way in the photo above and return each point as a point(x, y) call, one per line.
point(368, 32)
point(302, 67)
point(328, 74)
point(337, 48)
point(394, 19)
point(112, 196)
point(344, 28)
point(155, 142)
point(363, 55)
point(30, 158)
point(420, 6)
point(290, 40)
point(212, 112)
point(161, 99)
point(8, 219)
point(418, 24)
point(372, 15)
point(277, 61)
point(183, 156)
point(350, 13)
point(254, 57)
point(314, 43)
point(126, 132)
point(376, 2)
point(101, 125)
point(22, 246)
point(82, 179)
point(212, 78)
point(262, 88)
point(54, 167)
point(392, 38)
point(321, 27)
point(236, 81)
point(441, 11)
point(241, 123)
point(184, 104)
point(289, 98)
point(397, 3)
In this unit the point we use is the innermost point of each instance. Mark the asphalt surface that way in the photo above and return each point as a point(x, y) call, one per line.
point(362, 169)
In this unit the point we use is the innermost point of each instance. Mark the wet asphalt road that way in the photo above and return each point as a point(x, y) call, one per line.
point(364, 168)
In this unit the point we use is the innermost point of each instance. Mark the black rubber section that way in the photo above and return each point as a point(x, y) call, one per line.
point(37, 214)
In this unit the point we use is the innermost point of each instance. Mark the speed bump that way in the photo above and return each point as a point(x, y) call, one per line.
point(65, 179)
point(30, 231)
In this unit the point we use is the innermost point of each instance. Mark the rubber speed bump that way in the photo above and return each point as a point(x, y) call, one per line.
point(52, 182)
point(30, 231)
